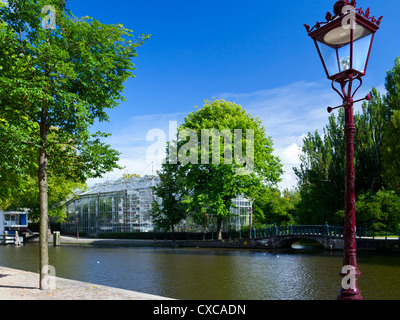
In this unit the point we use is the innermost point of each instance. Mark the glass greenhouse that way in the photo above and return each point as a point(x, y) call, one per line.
point(124, 206)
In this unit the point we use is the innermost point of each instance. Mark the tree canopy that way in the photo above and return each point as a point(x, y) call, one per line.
point(58, 75)
point(211, 176)
point(390, 147)
point(322, 171)
point(171, 210)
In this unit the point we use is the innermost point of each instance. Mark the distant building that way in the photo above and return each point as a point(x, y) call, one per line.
point(11, 222)
point(124, 206)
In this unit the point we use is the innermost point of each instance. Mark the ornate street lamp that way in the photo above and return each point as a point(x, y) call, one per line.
point(344, 44)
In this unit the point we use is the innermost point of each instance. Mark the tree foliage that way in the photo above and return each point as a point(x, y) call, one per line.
point(57, 82)
point(378, 211)
point(59, 74)
point(26, 196)
point(390, 147)
point(211, 182)
point(171, 209)
point(272, 206)
point(321, 175)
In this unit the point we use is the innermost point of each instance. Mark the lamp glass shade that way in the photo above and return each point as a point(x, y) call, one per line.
point(341, 36)
point(345, 49)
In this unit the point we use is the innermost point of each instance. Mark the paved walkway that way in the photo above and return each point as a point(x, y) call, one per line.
point(23, 285)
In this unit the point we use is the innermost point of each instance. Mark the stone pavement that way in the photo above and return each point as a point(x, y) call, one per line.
point(23, 285)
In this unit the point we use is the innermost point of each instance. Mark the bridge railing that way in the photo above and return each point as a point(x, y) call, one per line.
point(372, 233)
point(299, 230)
point(323, 230)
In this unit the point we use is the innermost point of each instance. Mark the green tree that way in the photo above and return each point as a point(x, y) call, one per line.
point(59, 74)
point(272, 206)
point(321, 176)
point(390, 147)
point(15, 164)
point(379, 211)
point(214, 177)
point(26, 196)
point(371, 129)
point(171, 209)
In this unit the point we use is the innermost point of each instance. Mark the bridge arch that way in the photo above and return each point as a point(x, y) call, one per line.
point(287, 242)
point(331, 238)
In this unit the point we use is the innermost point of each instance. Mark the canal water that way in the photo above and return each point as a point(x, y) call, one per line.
point(209, 274)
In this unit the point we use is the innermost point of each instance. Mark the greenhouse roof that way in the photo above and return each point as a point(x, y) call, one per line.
point(134, 183)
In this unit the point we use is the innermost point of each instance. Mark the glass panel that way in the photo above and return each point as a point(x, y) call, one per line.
point(343, 55)
point(360, 53)
point(329, 56)
point(120, 211)
point(336, 60)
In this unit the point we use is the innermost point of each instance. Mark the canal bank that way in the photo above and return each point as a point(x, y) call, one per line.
point(363, 244)
point(71, 240)
point(23, 285)
point(234, 244)
point(380, 244)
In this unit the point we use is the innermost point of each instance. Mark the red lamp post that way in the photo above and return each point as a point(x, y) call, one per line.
point(344, 45)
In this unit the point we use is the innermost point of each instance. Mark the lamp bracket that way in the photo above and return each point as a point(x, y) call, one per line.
point(344, 93)
point(350, 101)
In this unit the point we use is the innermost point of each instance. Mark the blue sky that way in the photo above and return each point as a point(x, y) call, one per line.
point(254, 53)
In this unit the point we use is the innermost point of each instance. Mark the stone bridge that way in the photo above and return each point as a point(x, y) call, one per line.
point(286, 241)
point(331, 238)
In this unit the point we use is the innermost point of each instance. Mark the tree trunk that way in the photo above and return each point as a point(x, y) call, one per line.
point(219, 228)
point(44, 218)
point(173, 233)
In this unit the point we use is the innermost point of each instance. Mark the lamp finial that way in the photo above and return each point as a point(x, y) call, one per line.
point(338, 8)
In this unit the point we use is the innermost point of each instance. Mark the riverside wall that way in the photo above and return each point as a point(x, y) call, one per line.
point(363, 244)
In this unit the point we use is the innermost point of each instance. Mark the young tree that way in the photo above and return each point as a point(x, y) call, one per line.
point(58, 75)
point(391, 148)
point(171, 209)
point(371, 130)
point(213, 176)
point(272, 206)
point(321, 176)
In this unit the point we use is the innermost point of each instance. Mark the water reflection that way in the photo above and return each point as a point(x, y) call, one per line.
point(197, 274)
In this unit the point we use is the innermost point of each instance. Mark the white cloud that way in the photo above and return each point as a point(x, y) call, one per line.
point(290, 155)
point(290, 159)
